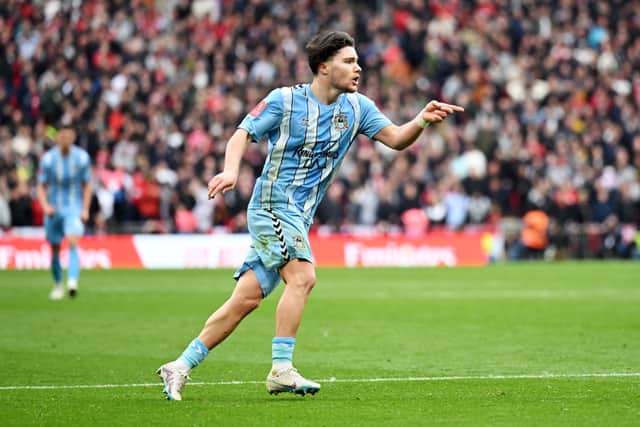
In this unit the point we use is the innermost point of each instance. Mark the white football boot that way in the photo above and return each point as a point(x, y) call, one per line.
point(174, 375)
point(57, 293)
point(289, 380)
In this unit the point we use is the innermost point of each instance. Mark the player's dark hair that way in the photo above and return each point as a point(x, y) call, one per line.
point(324, 45)
point(67, 125)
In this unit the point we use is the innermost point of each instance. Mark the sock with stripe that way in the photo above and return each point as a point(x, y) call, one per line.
point(74, 264)
point(56, 268)
point(282, 352)
point(194, 354)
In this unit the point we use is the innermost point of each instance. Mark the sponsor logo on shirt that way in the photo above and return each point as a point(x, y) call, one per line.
point(258, 109)
point(319, 158)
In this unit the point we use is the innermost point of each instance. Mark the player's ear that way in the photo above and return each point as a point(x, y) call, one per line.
point(323, 69)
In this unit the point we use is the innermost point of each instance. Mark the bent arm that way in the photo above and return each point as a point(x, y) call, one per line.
point(236, 148)
point(86, 197)
point(226, 180)
point(41, 194)
point(401, 137)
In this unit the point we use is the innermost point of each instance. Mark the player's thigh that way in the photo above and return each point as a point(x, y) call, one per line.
point(54, 228)
point(248, 286)
point(73, 229)
point(268, 278)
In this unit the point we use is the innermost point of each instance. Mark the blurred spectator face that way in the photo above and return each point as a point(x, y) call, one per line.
point(602, 195)
point(21, 190)
point(611, 223)
point(622, 158)
point(342, 70)
point(65, 138)
point(336, 191)
point(410, 190)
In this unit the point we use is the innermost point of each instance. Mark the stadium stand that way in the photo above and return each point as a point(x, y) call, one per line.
point(551, 91)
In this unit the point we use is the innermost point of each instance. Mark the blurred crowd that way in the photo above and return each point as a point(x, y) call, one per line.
point(551, 91)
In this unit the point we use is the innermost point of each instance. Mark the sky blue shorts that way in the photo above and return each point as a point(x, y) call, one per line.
point(277, 236)
point(59, 225)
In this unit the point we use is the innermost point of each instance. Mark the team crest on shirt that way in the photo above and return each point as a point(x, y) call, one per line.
point(340, 121)
point(298, 242)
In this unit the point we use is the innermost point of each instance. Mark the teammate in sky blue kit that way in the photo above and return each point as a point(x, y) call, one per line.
point(309, 128)
point(64, 192)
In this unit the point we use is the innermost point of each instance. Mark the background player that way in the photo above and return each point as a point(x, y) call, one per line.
point(64, 192)
point(310, 128)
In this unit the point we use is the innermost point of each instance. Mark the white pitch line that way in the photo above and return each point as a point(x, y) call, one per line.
point(352, 380)
point(488, 294)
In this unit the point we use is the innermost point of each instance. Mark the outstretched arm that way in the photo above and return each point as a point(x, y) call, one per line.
point(400, 137)
point(226, 180)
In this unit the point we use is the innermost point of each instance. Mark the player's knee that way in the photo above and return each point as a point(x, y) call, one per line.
point(311, 282)
point(305, 282)
point(73, 240)
point(248, 303)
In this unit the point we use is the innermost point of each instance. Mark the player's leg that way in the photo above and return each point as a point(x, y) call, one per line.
point(73, 272)
point(282, 248)
point(245, 298)
point(300, 278)
point(298, 272)
point(57, 293)
point(73, 230)
point(54, 233)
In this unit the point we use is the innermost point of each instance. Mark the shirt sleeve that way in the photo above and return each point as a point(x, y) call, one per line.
point(85, 174)
point(265, 117)
point(42, 169)
point(372, 120)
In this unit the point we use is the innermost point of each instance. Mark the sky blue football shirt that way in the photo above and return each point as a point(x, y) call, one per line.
point(307, 143)
point(65, 177)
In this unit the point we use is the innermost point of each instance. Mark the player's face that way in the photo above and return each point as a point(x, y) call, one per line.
point(65, 138)
point(343, 70)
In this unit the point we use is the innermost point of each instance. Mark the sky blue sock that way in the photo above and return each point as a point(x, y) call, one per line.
point(194, 354)
point(74, 263)
point(282, 349)
point(56, 268)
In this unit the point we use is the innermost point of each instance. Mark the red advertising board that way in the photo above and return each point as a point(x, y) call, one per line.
point(228, 251)
point(437, 249)
point(95, 252)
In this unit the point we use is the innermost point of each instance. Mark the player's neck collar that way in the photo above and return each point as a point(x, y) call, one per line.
point(62, 153)
point(311, 95)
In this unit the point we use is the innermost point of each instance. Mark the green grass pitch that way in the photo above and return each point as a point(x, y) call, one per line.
point(528, 344)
